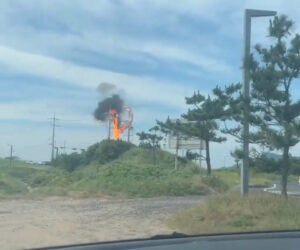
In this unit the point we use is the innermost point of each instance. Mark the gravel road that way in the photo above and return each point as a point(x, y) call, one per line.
point(28, 223)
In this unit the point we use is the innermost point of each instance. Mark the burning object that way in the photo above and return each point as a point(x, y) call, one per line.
point(119, 128)
point(121, 116)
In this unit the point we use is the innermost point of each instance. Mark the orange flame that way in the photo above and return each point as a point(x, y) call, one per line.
point(117, 130)
point(115, 124)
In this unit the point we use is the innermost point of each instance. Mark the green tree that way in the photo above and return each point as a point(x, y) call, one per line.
point(109, 150)
point(232, 103)
point(203, 122)
point(68, 162)
point(273, 71)
point(172, 128)
point(151, 140)
point(237, 155)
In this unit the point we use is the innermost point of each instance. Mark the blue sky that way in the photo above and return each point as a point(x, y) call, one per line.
point(54, 54)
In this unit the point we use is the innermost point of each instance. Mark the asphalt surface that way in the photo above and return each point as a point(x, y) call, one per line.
point(293, 188)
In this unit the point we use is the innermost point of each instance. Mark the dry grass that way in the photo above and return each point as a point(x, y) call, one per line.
point(231, 213)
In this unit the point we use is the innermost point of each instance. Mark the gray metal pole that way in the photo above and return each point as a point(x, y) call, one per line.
point(246, 92)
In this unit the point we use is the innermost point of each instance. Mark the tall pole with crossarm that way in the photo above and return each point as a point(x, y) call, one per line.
point(249, 13)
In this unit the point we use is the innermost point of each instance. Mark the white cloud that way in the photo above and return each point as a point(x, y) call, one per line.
point(169, 52)
point(40, 110)
point(22, 33)
point(136, 88)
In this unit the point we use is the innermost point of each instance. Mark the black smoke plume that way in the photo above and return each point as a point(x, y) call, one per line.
point(102, 111)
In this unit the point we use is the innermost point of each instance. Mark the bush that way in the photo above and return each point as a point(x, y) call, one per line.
point(265, 164)
point(110, 150)
point(91, 154)
point(269, 165)
point(68, 162)
point(103, 152)
point(295, 167)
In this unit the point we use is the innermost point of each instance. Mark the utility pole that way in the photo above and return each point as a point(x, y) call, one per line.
point(11, 154)
point(56, 152)
point(129, 133)
point(54, 119)
point(249, 13)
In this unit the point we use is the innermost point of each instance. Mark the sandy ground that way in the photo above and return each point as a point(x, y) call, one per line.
point(28, 223)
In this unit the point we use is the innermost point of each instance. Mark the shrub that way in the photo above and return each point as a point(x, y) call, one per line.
point(103, 152)
point(68, 162)
point(91, 154)
point(110, 150)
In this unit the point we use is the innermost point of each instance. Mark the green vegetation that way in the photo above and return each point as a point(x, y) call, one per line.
point(10, 185)
point(272, 110)
point(132, 173)
point(103, 152)
point(135, 174)
point(232, 213)
point(204, 114)
point(121, 169)
point(257, 179)
point(151, 140)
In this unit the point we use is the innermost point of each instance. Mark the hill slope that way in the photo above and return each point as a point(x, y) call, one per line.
point(129, 172)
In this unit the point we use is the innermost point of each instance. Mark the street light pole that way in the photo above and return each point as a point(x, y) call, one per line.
point(246, 92)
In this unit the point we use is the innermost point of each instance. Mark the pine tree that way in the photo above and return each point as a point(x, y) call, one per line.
point(151, 140)
point(203, 122)
point(172, 128)
point(273, 71)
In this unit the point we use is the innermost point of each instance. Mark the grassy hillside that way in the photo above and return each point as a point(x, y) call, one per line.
point(130, 173)
point(135, 174)
point(232, 213)
point(119, 168)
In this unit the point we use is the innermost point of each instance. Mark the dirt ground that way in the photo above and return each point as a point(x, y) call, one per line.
point(29, 223)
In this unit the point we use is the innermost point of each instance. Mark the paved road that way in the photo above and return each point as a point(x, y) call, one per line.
point(293, 188)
